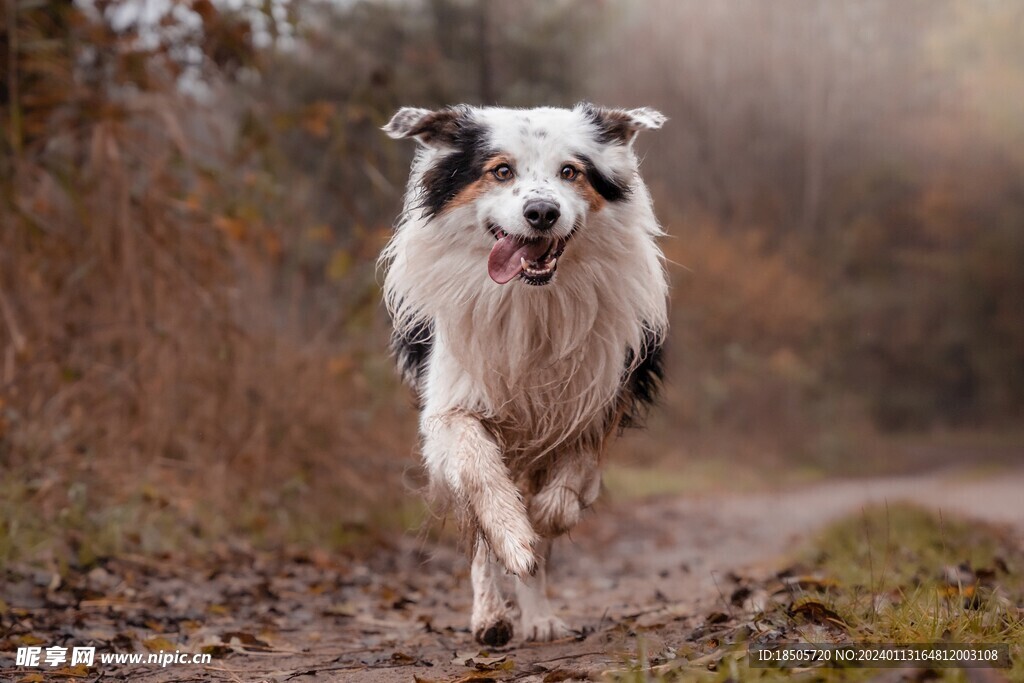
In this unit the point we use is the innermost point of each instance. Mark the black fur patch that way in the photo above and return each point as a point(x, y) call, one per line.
point(613, 125)
point(611, 188)
point(412, 351)
point(459, 168)
point(643, 384)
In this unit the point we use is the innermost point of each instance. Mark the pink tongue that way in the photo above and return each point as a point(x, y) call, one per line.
point(505, 260)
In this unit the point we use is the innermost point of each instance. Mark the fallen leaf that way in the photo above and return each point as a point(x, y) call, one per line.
point(154, 625)
point(482, 662)
point(403, 659)
point(247, 640)
point(29, 640)
point(816, 612)
point(476, 677)
point(339, 609)
point(158, 643)
point(717, 618)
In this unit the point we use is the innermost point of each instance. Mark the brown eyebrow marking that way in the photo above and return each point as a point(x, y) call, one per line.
point(583, 187)
point(497, 160)
point(486, 181)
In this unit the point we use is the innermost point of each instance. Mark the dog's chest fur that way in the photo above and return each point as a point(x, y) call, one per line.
point(544, 367)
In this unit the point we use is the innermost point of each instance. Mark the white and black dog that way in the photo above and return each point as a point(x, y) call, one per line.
point(529, 300)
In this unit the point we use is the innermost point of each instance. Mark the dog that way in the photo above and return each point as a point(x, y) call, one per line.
point(528, 297)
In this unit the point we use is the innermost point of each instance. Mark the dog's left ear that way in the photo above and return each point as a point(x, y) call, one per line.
point(439, 128)
point(621, 125)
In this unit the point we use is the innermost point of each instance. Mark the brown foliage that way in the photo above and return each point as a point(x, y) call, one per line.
point(143, 341)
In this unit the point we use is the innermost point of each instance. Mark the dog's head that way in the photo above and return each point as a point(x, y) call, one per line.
point(526, 181)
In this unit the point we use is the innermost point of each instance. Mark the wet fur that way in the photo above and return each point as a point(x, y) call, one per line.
point(521, 386)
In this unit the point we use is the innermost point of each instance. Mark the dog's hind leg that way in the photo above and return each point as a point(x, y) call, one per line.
point(572, 485)
point(461, 453)
point(539, 620)
point(490, 623)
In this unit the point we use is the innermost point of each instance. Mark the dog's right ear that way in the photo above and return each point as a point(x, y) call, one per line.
point(621, 125)
point(431, 128)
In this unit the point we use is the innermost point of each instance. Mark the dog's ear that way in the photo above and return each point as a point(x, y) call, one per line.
point(431, 128)
point(621, 125)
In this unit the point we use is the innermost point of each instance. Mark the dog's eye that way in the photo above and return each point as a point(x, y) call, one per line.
point(503, 172)
point(569, 172)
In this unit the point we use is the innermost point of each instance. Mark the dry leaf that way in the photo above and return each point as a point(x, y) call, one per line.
point(816, 612)
point(340, 609)
point(483, 662)
point(158, 643)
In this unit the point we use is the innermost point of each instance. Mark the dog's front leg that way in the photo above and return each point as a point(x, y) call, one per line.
point(490, 623)
point(539, 620)
point(462, 454)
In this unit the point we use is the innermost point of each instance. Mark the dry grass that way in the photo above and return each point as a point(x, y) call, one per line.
point(163, 376)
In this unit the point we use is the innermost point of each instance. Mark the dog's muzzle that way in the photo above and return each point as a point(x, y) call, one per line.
point(532, 259)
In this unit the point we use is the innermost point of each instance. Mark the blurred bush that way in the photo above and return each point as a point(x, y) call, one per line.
point(192, 199)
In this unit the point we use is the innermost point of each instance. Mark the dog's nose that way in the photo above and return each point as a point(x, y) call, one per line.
point(541, 214)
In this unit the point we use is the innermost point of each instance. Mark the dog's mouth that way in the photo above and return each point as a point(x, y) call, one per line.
point(534, 260)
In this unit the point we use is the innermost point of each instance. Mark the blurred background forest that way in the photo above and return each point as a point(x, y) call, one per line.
point(193, 195)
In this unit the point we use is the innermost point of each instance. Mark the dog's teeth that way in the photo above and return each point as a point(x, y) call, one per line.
point(543, 271)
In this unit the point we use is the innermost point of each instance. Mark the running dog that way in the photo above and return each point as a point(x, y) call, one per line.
point(529, 301)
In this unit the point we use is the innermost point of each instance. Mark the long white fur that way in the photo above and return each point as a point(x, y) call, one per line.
point(520, 374)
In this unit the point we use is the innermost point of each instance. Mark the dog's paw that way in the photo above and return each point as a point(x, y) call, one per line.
point(544, 628)
point(513, 547)
point(555, 510)
point(495, 633)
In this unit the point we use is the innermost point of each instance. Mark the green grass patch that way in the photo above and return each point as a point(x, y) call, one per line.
point(892, 574)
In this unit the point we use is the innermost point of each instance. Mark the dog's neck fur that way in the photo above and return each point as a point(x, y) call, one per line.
point(542, 365)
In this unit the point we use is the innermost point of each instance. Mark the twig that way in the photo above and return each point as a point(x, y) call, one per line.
point(718, 589)
point(314, 672)
point(871, 565)
point(574, 655)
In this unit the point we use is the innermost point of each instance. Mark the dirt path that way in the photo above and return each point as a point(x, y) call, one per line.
point(662, 566)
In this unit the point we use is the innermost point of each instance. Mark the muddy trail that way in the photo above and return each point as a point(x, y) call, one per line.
point(637, 577)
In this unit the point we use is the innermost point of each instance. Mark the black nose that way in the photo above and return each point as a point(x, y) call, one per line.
point(541, 214)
